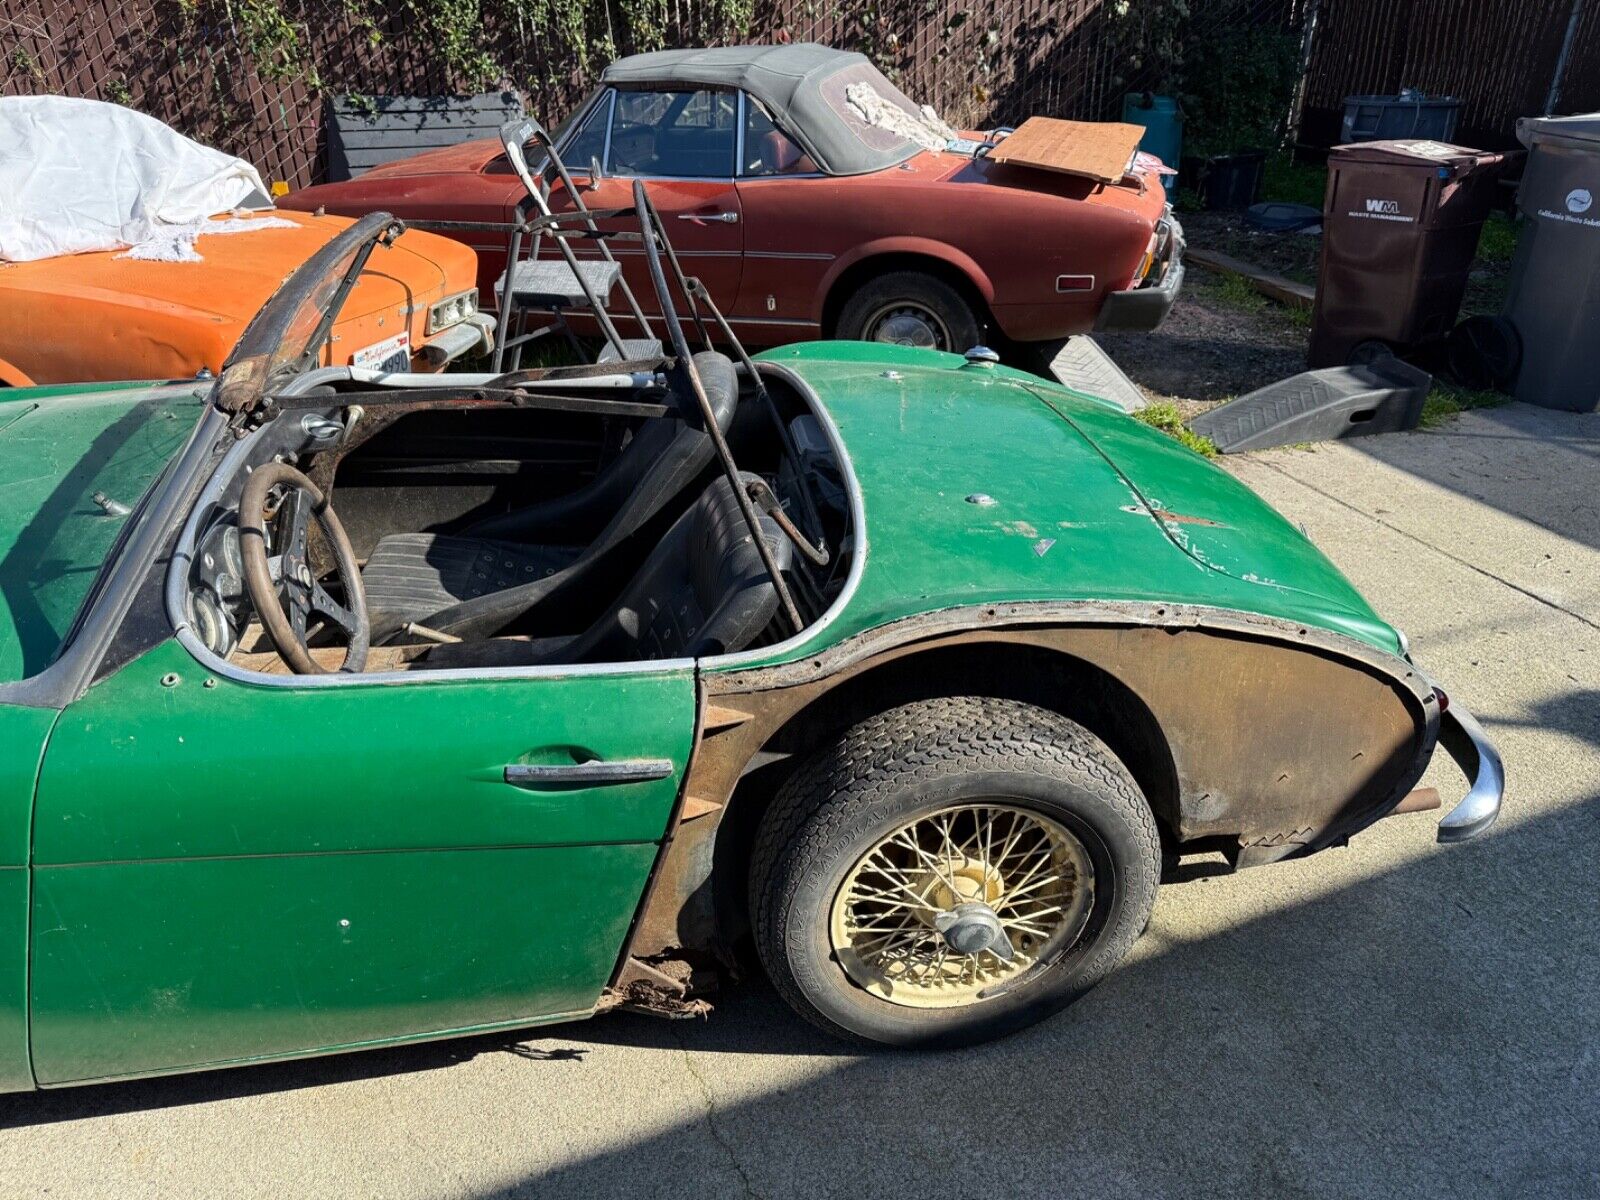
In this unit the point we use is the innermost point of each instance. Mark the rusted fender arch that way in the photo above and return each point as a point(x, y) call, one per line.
point(931, 249)
point(1286, 738)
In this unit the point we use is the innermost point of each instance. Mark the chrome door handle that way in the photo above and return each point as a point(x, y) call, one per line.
point(726, 218)
point(625, 770)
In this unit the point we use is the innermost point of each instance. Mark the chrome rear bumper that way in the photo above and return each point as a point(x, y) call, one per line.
point(1142, 309)
point(1464, 739)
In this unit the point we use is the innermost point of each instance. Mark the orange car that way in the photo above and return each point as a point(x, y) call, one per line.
point(415, 307)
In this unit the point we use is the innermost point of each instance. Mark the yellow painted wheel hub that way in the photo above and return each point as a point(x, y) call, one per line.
point(1015, 882)
point(962, 880)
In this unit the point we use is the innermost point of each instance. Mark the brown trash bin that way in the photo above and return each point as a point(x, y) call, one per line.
point(1400, 228)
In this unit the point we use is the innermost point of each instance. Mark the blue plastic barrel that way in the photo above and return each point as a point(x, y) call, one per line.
point(1163, 127)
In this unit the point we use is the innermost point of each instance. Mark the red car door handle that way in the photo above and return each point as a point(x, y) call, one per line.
point(624, 770)
point(725, 218)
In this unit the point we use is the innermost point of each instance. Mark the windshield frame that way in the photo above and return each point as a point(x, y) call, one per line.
point(257, 364)
point(568, 129)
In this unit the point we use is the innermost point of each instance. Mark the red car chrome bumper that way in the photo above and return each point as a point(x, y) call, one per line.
point(1141, 309)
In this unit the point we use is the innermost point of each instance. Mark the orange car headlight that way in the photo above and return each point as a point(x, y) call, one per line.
point(452, 310)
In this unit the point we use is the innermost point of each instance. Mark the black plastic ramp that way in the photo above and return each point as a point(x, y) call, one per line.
point(1084, 367)
point(1382, 396)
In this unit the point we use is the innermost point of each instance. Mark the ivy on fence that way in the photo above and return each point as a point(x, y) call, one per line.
point(250, 76)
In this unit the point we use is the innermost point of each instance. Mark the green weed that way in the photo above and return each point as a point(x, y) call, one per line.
point(1297, 183)
point(1498, 241)
point(1165, 417)
point(1447, 401)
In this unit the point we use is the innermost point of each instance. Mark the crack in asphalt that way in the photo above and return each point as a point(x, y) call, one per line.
point(1421, 541)
point(717, 1135)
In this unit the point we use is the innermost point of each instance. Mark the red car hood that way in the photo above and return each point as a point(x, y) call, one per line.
point(469, 157)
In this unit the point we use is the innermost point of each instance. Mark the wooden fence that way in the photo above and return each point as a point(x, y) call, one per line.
point(1503, 58)
point(182, 61)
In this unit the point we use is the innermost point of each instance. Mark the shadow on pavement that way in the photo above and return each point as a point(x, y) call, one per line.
point(1537, 464)
point(1430, 1030)
point(172, 1091)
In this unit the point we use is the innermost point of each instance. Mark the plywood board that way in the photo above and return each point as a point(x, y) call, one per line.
point(1099, 150)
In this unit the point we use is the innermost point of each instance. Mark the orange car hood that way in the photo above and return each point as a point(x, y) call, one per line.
point(97, 316)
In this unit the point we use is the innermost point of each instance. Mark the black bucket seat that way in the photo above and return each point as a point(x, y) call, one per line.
point(473, 584)
point(703, 590)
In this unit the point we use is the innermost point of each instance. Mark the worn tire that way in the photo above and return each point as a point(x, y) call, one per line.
point(914, 760)
point(911, 288)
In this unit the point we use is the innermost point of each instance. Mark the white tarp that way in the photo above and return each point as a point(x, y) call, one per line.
point(82, 175)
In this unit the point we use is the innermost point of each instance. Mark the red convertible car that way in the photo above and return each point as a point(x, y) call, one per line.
point(812, 198)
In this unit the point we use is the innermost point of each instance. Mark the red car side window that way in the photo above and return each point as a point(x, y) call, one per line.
point(589, 144)
point(767, 149)
point(674, 134)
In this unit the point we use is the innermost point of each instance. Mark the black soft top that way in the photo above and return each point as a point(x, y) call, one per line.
point(801, 86)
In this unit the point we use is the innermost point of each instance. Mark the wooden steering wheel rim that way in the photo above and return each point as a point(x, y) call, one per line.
point(263, 590)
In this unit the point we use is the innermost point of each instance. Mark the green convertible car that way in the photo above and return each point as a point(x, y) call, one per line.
point(341, 709)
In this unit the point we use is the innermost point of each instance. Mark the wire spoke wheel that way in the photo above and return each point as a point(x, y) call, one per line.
point(959, 902)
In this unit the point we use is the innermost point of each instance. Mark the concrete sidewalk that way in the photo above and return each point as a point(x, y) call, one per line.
point(1393, 1019)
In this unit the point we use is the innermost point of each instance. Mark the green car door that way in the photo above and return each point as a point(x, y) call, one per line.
point(228, 869)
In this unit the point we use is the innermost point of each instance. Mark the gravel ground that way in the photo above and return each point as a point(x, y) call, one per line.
point(1223, 339)
point(1295, 256)
point(1219, 341)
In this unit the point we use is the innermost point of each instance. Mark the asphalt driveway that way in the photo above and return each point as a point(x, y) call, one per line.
point(1393, 1019)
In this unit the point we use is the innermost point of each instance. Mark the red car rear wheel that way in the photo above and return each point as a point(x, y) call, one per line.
point(910, 309)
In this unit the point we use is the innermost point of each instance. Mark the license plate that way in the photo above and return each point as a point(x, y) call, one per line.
point(391, 354)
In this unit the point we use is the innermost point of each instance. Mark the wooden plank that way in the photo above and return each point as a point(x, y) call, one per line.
point(420, 139)
point(490, 101)
point(392, 123)
point(1274, 287)
point(365, 160)
point(366, 105)
point(1098, 150)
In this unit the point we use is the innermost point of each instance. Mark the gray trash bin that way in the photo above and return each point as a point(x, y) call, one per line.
point(1554, 298)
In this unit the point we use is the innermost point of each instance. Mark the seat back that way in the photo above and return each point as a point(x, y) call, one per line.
point(662, 455)
point(780, 156)
point(704, 589)
point(666, 471)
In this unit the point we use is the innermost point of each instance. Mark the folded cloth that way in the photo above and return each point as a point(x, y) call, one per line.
point(175, 243)
point(1150, 164)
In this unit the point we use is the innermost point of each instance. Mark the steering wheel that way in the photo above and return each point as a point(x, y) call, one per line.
point(285, 593)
